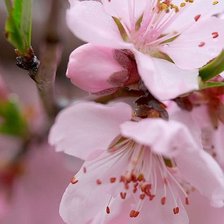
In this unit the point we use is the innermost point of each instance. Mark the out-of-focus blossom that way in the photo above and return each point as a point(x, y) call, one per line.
point(136, 166)
point(37, 191)
point(9, 147)
point(169, 39)
point(4, 204)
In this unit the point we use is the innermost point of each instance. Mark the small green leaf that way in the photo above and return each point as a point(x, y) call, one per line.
point(12, 120)
point(206, 85)
point(19, 23)
point(212, 69)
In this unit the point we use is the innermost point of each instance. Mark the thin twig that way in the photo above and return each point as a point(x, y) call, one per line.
point(50, 56)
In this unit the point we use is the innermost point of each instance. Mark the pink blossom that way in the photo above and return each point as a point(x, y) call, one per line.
point(200, 123)
point(116, 69)
point(136, 170)
point(37, 192)
point(158, 33)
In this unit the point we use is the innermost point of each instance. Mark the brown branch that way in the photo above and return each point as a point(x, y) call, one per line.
point(45, 77)
point(50, 55)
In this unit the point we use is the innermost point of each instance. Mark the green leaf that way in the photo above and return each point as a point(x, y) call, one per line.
point(212, 69)
point(19, 24)
point(206, 85)
point(12, 120)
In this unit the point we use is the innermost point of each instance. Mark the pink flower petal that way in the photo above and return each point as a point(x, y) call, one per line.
point(90, 68)
point(89, 21)
point(125, 10)
point(166, 138)
point(164, 79)
point(81, 201)
point(202, 171)
point(201, 212)
point(87, 127)
point(199, 8)
point(83, 196)
point(204, 41)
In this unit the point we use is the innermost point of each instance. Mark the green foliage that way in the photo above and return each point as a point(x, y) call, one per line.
point(12, 121)
point(206, 85)
point(19, 23)
point(212, 69)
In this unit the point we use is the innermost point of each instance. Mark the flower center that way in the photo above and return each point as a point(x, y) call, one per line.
point(136, 172)
point(147, 31)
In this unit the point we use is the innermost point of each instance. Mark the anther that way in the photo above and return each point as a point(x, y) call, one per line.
point(201, 44)
point(74, 180)
point(176, 210)
point(197, 17)
point(163, 200)
point(142, 196)
point(98, 182)
point(215, 35)
point(108, 210)
point(123, 195)
point(113, 179)
point(134, 214)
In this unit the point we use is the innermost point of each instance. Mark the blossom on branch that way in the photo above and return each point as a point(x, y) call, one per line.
point(170, 41)
point(136, 169)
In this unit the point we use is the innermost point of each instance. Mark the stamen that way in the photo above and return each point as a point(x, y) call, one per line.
point(113, 179)
point(74, 180)
point(134, 214)
point(98, 182)
point(197, 17)
point(215, 35)
point(123, 195)
point(176, 210)
point(201, 44)
point(163, 200)
point(139, 179)
point(107, 210)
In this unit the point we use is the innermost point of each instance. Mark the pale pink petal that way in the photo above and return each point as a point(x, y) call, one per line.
point(81, 202)
point(163, 137)
point(90, 68)
point(186, 118)
point(127, 11)
point(202, 171)
point(163, 78)
point(87, 127)
point(88, 21)
point(204, 41)
point(201, 212)
point(212, 137)
point(219, 143)
point(222, 74)
point(202, 129)
point(187, 15)
point(83, 196)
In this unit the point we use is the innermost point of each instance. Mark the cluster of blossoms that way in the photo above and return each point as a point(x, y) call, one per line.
point(160, 137)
